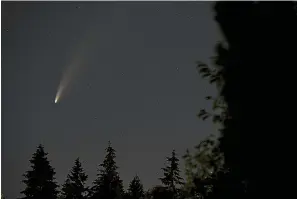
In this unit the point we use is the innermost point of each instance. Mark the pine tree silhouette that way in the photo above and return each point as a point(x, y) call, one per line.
point(108, 184)
point(172, 177)
point(74, 186)
point(40, 180)
point(135, 190)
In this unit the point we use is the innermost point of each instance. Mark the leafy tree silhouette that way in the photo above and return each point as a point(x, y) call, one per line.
point(219, 107)
point(135, 190)
point(40, 180)
point(260, 39)
point(172, 177)
point(74, 186)
point(202, 168)
point(108, 184)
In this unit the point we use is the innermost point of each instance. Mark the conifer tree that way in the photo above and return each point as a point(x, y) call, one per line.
point(108, 184)
point(40, 180)
point(172, 177)
point(74, 186)
point(135, 190)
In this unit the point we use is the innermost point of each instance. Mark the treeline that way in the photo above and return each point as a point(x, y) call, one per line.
point(40, 180)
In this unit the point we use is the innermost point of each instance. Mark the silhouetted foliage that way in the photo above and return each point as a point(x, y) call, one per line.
point(172, 177)
point(160, 192)
point(202, 167)
point(219, 108)
point(40, 180)
point(74, 186)
point(135, 190)
point(108, 184)
point(205, 160)
point(260, 39)
point(147, 194)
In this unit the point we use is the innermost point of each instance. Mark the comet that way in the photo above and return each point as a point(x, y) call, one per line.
point(75, 65)
point(56, 99)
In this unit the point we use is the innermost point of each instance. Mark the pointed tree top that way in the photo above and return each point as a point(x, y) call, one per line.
point(39, 153)
point(40, 148)
point(77, 160)
point(136, 174)
point(136, 177)
point(173, 152)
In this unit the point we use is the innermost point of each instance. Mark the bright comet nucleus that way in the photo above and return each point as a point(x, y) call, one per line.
point(56, 100)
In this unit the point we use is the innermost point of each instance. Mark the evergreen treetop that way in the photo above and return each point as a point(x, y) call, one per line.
point(108, 184)
point(40, 180)
point(172, 177)
point(135, 190)
point(74, 186)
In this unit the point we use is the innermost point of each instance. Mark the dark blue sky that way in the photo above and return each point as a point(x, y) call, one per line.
point(137, 87)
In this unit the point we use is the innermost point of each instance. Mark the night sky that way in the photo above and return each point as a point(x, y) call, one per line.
point(137, 84)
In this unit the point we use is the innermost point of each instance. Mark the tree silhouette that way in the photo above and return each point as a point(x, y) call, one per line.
point(135, 190)
point(74, 186)
point(202, 167)
point(40, 180)
point(108, 184)
point(207, 162)
point(260, 39)
point(172, 177)
point(219, 107)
